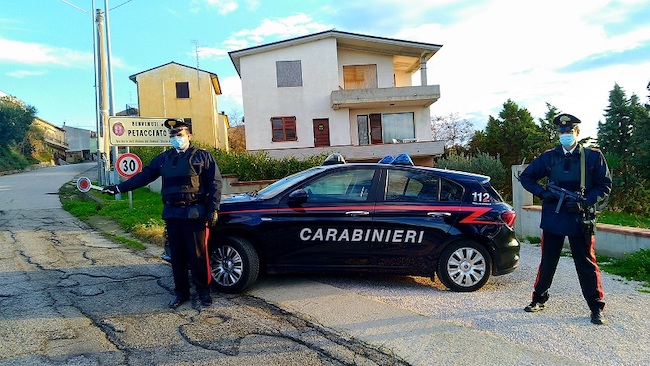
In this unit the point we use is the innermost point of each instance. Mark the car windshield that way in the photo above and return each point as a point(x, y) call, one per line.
point(284, 183)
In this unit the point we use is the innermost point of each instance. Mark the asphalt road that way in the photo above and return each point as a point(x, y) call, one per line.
point(70, 297)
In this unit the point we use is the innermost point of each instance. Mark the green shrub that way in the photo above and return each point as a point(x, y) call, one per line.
point(11, 160)
point(248, 165)
point(483, 164)
point(634, 266)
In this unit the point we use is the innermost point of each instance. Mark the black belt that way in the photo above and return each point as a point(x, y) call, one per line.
point(182, 203)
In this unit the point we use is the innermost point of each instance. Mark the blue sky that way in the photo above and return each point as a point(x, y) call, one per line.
point(567, 53)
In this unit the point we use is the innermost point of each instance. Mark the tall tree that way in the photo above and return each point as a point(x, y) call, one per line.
point(641, 137)
point(548, 128)
point(514, 135)
point(615, 133)
point(623, 138)
point(15, 119)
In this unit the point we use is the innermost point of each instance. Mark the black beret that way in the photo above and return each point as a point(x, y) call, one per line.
point(176, 123)
point(565, 122)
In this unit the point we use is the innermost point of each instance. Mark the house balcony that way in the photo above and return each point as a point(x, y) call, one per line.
point(56, 143)
point(420, 96)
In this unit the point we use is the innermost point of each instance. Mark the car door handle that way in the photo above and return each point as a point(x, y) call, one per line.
point(357, 213)
point(438, 214)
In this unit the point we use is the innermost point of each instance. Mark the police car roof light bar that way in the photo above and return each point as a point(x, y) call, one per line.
point(334, 159)
point(386, 159)
point(402, 159)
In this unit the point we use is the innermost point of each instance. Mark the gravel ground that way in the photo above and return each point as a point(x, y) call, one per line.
point(562, 329)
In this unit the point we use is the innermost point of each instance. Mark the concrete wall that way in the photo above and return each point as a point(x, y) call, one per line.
point(611, 240)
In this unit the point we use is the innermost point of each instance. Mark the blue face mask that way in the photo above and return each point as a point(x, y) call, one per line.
point(178, 142)
point(567, 140)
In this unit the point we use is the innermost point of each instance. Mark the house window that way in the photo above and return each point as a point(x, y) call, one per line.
point(397, 127)
point(182, 90)
point(288, 73)
point(386, 128)
point(188, 121)
point(284, 129)
point(360, 77)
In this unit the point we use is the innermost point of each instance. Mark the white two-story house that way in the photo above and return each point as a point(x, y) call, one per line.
point(340, 92)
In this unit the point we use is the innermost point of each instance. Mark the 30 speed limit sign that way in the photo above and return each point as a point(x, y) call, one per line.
point(128, 165)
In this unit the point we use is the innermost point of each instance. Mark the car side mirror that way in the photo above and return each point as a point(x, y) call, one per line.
point(298, 196)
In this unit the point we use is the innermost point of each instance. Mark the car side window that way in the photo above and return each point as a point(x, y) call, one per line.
point(451, 191)
point(408, 186)
point(348, 185)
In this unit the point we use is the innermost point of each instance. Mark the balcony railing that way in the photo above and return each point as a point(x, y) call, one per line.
point(422, 96)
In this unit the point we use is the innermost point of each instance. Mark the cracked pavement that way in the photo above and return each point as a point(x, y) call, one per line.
point(72, 297)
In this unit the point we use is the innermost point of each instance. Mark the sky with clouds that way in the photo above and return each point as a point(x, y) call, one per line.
point(566, 53)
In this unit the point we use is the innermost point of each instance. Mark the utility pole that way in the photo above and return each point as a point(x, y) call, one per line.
point(103, 95)
point(111, 88)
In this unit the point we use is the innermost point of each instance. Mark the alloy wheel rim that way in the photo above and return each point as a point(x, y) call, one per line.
point(227, 266)
point(466, 267)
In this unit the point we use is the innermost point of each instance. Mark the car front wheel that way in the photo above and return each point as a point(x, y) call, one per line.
point(234, 264)
point(464, 266)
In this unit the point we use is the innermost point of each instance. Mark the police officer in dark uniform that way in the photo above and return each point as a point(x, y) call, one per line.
point(562, 166)
point(191, 192)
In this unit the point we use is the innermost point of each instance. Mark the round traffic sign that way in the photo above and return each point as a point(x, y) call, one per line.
point(128, 165)
point(84, 184)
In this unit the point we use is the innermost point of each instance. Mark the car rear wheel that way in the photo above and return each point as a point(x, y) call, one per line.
point(464, 266)
point(234, 264)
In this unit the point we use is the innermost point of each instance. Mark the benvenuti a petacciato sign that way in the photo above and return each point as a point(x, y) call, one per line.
point(137, 131)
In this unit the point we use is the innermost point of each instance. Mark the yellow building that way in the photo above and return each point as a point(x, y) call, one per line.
point(53, 140)
point(178, 91)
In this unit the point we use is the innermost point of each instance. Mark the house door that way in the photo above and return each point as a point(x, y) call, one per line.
point(321, 132)
point(363, 130)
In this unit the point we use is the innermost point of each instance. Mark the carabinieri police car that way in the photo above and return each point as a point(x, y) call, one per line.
point(389, 217)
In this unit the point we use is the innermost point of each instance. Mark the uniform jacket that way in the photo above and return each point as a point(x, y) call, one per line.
point(209, 180)
point(598, 185)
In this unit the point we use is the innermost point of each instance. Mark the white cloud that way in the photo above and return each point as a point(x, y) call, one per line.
point(24, 73)
point(211, 53)
point(253, 4)
point(505, 50)
point(231, 99)
point(282, 28)
point(223, 6)
point(39, 54)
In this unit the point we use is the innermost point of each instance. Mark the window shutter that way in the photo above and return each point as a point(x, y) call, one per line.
point(375, 129)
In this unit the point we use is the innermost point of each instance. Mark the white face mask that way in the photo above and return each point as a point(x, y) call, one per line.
point(178, 142)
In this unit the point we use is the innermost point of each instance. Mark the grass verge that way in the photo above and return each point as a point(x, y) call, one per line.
point(143, 221)
point(633, 267)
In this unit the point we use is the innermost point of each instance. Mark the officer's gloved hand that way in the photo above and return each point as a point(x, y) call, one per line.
point(574, 207)
point(548, 196)
point(112, 190)
point(213, 218)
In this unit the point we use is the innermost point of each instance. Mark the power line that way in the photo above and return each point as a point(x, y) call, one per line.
point(75, 6)
point(115, 7)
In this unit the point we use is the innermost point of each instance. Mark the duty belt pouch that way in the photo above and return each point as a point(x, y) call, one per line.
point(196, 211)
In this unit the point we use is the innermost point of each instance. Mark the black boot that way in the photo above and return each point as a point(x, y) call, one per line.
point(178, 301)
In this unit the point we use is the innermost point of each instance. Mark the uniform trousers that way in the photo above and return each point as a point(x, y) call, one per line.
point(189, 253)
point(584, 258)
